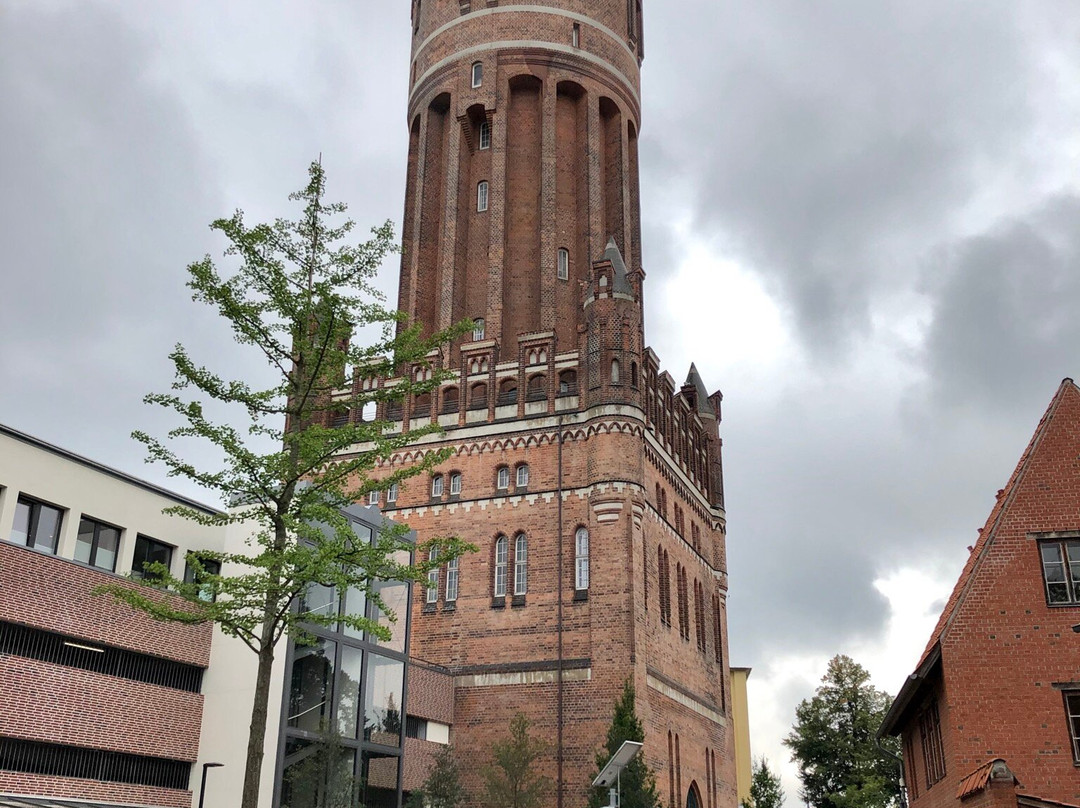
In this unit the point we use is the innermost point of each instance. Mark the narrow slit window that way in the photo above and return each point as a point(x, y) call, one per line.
point(581, 559)
point(502, 548)
point(521, 564)
point(482, 196)
point(433, 578)
point(477, 74)
point(485, 135)
point(576, 36)
point(564, 264)
point(451, 580)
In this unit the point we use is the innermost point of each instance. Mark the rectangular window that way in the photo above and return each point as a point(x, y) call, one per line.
point(485, 135)
point(581, 559)
point(149, 551)
point(432, 593)
point(502, 547)
point(1072, 710)
point(912, 781)
point(482, 197)
point(373, 498)
point(932, 749)
point(36, 525)
point(564, 264)
point(1061, 571)
point(208, 566)
point(97, 544)
point(451, 580)
point(521, 566)
point(391, 493)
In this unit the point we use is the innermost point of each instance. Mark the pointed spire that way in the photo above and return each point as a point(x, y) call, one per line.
point(693, 379)
point(620, 282)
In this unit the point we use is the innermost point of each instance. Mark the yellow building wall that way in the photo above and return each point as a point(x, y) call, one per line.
point(740, 718)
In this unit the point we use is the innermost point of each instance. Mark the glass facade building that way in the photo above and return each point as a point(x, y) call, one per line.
point(343, 717)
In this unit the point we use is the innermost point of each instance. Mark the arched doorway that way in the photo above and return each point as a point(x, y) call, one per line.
point(693, 797)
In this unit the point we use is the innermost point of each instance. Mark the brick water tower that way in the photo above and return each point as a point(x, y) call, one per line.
point(590, 479)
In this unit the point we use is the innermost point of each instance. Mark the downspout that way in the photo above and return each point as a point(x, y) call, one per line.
point(559, 622)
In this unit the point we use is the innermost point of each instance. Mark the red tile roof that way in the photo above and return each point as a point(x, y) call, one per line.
point(986, 535)
point(977, 780)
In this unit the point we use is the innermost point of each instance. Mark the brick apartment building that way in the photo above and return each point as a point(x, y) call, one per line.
point(991, 715)
point(588, 477)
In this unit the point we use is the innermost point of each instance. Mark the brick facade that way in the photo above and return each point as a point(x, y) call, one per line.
point(1001, 659)
point(561, 380)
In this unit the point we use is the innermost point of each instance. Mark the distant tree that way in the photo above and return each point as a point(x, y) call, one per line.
point(300, 290)
point(442, 788)
point(834, 742)
point(638, 783)
point(512, 779)
point(766, 790)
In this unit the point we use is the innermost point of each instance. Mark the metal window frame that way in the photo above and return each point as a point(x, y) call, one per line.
point(140, 573)
point(95, 541)
point(35, 514)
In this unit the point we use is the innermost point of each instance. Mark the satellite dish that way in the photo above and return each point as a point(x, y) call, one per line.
point(618, 762)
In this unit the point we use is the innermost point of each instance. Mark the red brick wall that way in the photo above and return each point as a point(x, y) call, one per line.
point(431, 693)
point(75, 788)
point(57, 595)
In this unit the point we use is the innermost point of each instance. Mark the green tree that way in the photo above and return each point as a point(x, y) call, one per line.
point(766, 790)
point(511, 780)
point(323, 776)
point(834, 742)
point(637, 781)
point(299, 291)
point(442, 788)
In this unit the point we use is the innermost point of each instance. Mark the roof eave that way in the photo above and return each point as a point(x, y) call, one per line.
point(913, 686)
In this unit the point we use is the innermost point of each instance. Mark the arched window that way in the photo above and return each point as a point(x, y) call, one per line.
point(369, 411)
point(508, 393)
point(568, 383)
point(522, 480)
point(451, 581)
point(432, 590)
point(422, 405)
point(373, 498)
point(450, 402)
point(563, 270)
point(502, 550)
point(537, 388)
point(485, 135)
point(437, 485)
point(477, 74)
point(521, 564)
point(502, 478)
point(391, 493)
point(455, 484)
point(581, 559)
point(482, 196)
point(615, 372)
point(633, 375)
point(478, 397)
point(478, 328)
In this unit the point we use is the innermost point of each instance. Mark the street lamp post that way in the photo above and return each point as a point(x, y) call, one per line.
point(202, 787)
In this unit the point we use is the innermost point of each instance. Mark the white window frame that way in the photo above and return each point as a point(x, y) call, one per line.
point(373, 498)
point(484, 137)
point(521, 479)
point(521, 564)
point(502, 478)
point(479, 329)
point(476, 74)
point(482, 196)
point(455, 483)
point(581, 559)
point(502, 552)
point(452, 578)
point(432, 592)
point(437, 485)
point(392, 493)
point(563, 269)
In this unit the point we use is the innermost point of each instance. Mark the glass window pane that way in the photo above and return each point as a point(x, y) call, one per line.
point(300, 780)
point(84, 544)
point(319, 599)
point(21, 529)
point(1058, 593)
point(348, 693)
point(1051, 553)
point(355, 604)
point(382, 700)
point(380, 779)
point(107, 546)
point(395, 596)
point(309, 691)
point(1054, 572)
point(47, 530)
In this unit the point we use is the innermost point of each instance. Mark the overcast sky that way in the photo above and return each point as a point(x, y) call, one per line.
point(862, 222)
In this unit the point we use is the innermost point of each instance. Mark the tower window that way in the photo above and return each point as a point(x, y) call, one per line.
point(391, 493)
point(615, 372)
point(455, 484)
point(576, 37)
point(521, 564)
point(485, 135)
point(437, 486)
point(502, 551)
point(564, 264)
point(478, 327)
point(522, 476)
point(482, 196)
point(581, 559)
point(373, 498)
point(451, 580)
point(502, 478)
point(432, 592)
point(477, 74)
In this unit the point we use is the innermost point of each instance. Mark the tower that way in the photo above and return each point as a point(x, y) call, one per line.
point(591, 483)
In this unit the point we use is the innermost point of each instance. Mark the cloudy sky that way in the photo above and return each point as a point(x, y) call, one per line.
point(862, 222)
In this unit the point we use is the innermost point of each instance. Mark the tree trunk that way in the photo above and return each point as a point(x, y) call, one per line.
point(257, 730)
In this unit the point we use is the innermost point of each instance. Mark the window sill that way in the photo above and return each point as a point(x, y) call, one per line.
point(518, 601)
point(581, 595)
point(498, 603)
point(429, 608)
point(450, 607)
